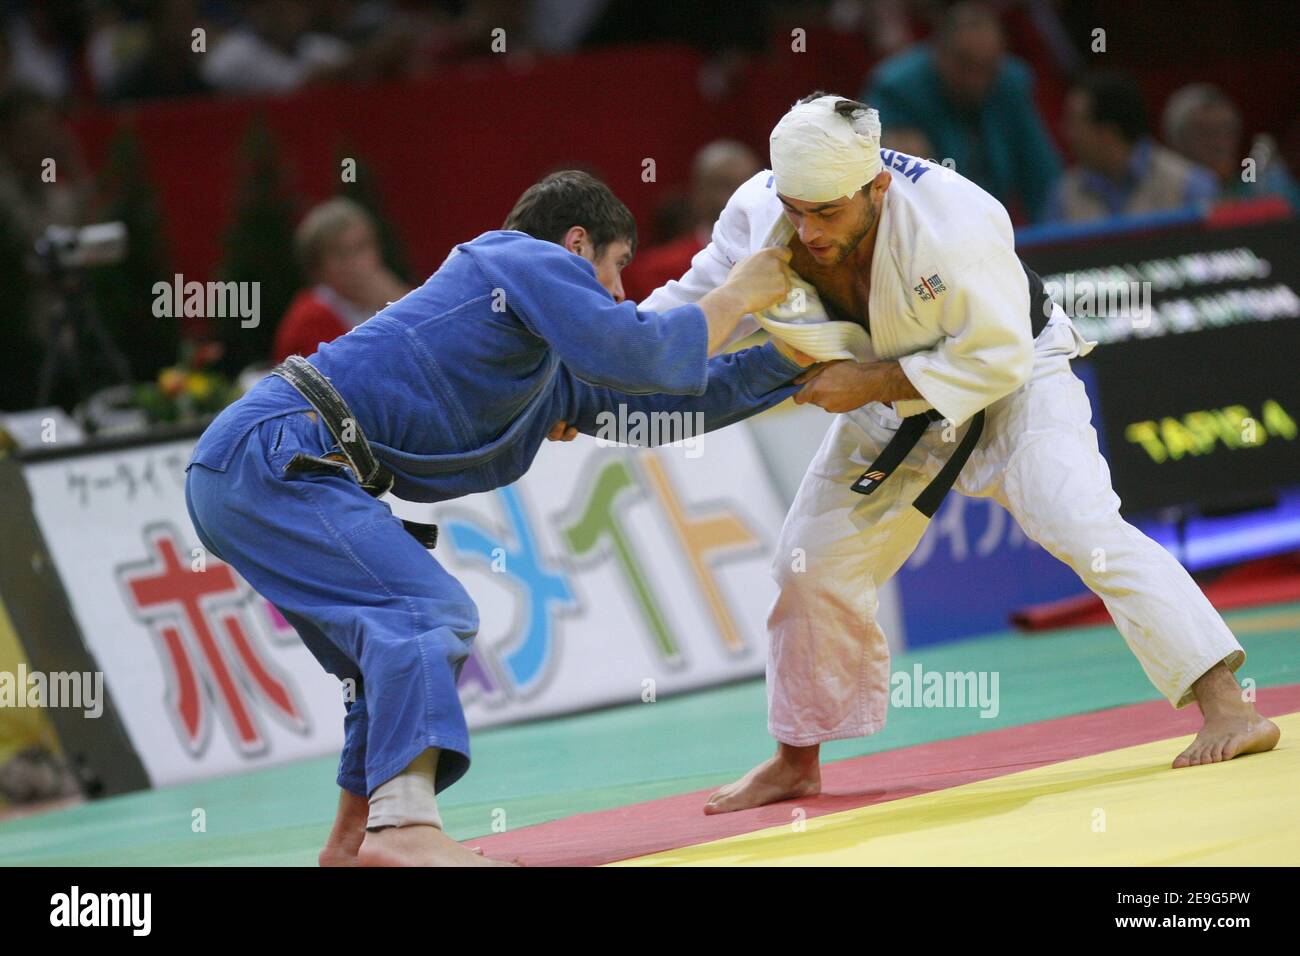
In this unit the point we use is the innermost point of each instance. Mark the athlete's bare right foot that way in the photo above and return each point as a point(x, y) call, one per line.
point(418, 846)
point(1223, 739)
point(1233, 727)
point(792, 773)
point(347, 833)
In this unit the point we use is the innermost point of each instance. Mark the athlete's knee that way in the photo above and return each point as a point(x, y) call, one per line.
point(799, 571)
point(393, 657)
point(457, 614)
point(822, 591)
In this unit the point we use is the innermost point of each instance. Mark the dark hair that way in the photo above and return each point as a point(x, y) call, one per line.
point(555, 204)
point(843, 107)
point(1115, 100)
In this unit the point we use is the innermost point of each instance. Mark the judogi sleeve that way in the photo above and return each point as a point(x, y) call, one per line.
point(556, 297)
point(711, 265)
point(987, 350)
point(741, 384)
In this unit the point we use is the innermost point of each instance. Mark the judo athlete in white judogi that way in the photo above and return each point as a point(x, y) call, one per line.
point(952, 357)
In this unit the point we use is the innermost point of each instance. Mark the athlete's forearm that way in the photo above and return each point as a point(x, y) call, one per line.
point(890, 382)
point(844, 386)
point(723, 309)
point(741, 384)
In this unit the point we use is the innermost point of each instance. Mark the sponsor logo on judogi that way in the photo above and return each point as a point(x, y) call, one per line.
point(930, 287)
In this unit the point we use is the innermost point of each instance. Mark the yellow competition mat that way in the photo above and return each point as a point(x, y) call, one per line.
point(1121, 808)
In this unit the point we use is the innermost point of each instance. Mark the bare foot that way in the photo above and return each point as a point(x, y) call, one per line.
point(792, 773)
point(1233, 727)
point(337, 856)
point(349, 830)
point(418, 846)
point(1224, 738)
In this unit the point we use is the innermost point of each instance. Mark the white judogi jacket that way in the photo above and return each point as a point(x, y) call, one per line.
point(949, 299)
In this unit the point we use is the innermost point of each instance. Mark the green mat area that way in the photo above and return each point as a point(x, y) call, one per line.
point(556, 768)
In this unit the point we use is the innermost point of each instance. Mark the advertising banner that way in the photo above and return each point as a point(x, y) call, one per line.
point(608, 575)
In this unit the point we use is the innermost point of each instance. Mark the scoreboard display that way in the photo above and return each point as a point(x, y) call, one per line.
point(1197, 370)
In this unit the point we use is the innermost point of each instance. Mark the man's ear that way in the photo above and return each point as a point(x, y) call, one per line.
point(577, 242)
point(881, 182)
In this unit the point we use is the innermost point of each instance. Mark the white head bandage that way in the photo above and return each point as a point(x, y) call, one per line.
point(820, 156)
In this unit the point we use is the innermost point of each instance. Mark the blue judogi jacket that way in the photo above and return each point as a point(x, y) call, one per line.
point(457, 384)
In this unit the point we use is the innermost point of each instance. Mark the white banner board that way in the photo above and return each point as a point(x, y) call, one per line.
point(608, 575)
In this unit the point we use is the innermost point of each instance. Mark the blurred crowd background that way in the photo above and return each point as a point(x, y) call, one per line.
point(333, 152)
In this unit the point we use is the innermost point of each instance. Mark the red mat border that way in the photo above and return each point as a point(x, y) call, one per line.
point(669, 823)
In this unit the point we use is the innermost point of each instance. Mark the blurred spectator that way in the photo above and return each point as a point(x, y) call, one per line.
point(415, 38)
point(37, 37)
point(1120, 169)
point(339, 250)
point(275, 51)
point(885, 24)
point(717, 171)
point(728, 34)
point(43, 180)
point(558, 26)
point(966, 99)
point(115, 43)
point(1202, 124)
point(907, 139)
point(149, 59)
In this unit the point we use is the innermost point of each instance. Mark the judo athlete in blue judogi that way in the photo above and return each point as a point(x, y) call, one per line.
point(520, 335)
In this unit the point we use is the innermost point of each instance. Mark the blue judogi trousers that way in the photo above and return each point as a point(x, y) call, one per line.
point(364, 596)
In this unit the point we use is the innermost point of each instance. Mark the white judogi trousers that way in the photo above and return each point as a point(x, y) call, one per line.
point(828, 664)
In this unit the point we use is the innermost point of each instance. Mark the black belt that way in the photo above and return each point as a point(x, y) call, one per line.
point(914, 426)
point(1040, 303)
point(357, 456)
point(904, 440)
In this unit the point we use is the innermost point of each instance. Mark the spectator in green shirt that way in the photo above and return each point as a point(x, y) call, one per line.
point(970, 102)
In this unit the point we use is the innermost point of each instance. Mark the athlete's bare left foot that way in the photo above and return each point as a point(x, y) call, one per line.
point(419, 846)
point(1233, 727)
point(792, 773)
